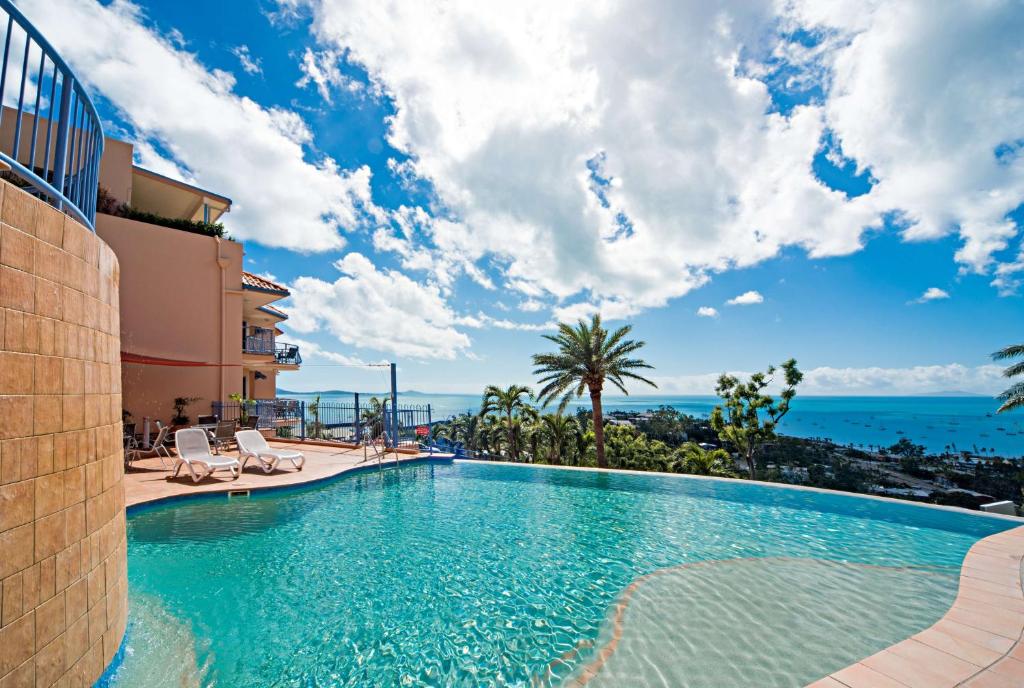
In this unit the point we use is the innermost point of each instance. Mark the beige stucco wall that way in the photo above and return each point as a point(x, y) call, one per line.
point(264, 389)
point(63, 584)
point(116, 169)
point(181, 299)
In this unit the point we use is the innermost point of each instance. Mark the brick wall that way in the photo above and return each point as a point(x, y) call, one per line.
point(63, 582)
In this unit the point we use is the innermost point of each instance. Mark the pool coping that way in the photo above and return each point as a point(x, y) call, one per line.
point(979, 642)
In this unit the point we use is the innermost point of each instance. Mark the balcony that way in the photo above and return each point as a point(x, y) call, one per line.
point(261, 341)
point(287, 354)
point(258, 340)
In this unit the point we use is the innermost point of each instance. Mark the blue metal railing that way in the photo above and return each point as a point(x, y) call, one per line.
point(59, 158)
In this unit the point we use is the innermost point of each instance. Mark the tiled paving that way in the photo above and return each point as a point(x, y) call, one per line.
point(148, 480)
point(977, 644)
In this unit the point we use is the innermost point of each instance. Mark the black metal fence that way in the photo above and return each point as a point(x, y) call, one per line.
point(335, 421)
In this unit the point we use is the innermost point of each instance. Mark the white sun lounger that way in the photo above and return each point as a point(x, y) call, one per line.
point(252, 445)
point(193, 445)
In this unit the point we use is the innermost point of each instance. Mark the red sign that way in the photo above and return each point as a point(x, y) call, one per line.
point(422, 430)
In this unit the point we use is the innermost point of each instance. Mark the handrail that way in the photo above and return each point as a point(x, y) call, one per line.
point(63, 165)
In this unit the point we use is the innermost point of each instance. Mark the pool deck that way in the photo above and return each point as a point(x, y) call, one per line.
point(977, 644)
point(147, 480)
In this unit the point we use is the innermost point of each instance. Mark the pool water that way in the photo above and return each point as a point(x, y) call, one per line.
point(463, 574)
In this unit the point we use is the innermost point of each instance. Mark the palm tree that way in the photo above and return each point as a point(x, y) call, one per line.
point(1013, 397)
point(588, 356)
point(560, 433)
point(692, 458)
point(508, 403)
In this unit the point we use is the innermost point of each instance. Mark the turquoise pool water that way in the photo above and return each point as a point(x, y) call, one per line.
point(464, 574)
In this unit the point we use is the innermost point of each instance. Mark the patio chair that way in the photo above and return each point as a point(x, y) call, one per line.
point(159, 447)
point(131, 445)
point(207, 420)
point(194, 452)
point(252, 445)
point(250, 423)
point(223, 435)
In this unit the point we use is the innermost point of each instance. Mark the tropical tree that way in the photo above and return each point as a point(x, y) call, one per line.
point(1013, 397)
point(748, 417)
point(508, 403)
point(587, 357)
point(692, 458)
point(560, 434)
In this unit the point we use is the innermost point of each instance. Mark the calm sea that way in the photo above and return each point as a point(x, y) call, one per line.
point(960, 423)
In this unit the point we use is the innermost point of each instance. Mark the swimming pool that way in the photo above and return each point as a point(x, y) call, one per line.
point(473, 574)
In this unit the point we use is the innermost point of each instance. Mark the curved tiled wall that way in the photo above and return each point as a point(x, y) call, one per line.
point(63, 579)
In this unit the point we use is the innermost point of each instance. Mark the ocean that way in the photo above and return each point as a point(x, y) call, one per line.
point(938, 423)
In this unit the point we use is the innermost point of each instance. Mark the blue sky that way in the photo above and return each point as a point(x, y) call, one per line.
point(439, 187)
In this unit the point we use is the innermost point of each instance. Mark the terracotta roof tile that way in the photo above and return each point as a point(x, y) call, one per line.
point(251, 281)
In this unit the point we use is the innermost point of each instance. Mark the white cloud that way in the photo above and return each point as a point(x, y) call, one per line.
point(253, 154)
point(377, 309)
point(250, 63)
point(825, 380)
point(611, 179)
point(531, 306)
point(747, 298)
point(322, 68)
point(932, 294)
point(707, 312)
point(311, 352)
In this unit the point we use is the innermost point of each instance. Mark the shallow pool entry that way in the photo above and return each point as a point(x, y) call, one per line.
point(467, 574)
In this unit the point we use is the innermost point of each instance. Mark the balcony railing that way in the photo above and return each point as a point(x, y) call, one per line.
point(258, 340)
point(57, 140)
point(287, 354)
point(261, 341)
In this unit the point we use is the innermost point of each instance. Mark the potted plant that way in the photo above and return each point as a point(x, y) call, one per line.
point(181, 404)
point(243, 406)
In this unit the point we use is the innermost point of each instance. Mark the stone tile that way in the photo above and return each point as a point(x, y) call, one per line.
point(16, 373)
point(1010, 668)
point(76, 640)
point(47, 578)
point(959, 647)
point(48, 299)
point(16, 545)
point(17, 249)
point(48, 264)
point(17, 643)
point(77, 600)
point(73, 375)
point(76, 238)
point(50, 225)
point(74, 486)
point(51, 534)
point(46, 414)
point(73, 411)
point(50, 662)
point(49, 494)
point(17, 289)
point(30, 337)
point(16, 504)
point(51, 620)
point(48, 376)
point(11, 599)
point(989, 679)
point(22, 677)
point(30, 586)
point(918, 669)
point(15, 416)
point(19, 209)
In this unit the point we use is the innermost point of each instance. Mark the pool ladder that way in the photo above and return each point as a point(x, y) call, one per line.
point(379, 444)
